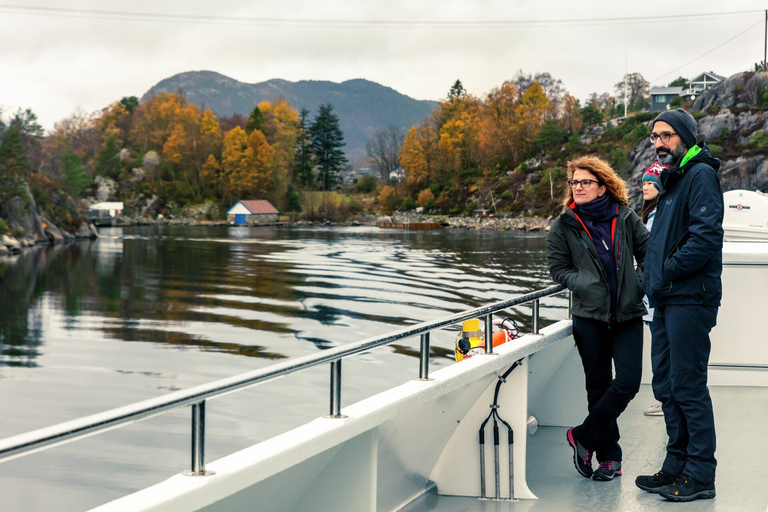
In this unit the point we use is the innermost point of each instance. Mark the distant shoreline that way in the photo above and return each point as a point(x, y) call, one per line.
point(520, 223)
point(10, 246)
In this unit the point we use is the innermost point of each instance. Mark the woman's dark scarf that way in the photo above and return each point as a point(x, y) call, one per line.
point(597, 216)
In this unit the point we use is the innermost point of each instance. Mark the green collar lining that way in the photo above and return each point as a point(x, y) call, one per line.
point(695, 150)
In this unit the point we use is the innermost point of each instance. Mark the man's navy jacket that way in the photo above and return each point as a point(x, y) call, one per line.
point(684, 258)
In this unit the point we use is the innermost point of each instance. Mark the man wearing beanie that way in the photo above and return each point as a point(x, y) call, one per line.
point(683, 264)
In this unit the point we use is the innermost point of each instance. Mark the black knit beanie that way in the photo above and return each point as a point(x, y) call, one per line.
point(682, 122)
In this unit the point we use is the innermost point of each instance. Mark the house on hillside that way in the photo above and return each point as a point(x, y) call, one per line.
point(703, 82)
point(661, 97)
point(252, 212)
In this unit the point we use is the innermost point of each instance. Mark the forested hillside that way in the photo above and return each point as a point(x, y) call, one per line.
point(506, 152)
point(363, 107)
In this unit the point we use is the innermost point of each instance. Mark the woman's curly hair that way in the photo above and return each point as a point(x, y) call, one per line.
point(615, 186)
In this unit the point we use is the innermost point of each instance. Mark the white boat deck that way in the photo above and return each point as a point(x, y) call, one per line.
point(741, 417)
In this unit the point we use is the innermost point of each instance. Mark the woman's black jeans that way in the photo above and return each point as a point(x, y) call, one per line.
point(607, 397)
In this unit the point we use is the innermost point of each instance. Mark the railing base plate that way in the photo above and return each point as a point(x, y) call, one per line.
point(189, 472)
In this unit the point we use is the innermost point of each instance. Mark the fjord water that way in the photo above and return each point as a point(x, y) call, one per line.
point(144, 311)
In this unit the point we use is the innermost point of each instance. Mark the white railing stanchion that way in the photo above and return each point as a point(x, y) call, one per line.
point(335, 411)
point(489, 334)
point(424, 357)
point(198, 441)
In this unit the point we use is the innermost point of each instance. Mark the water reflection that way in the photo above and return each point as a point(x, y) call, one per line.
point(229, 289)
point(24, 280)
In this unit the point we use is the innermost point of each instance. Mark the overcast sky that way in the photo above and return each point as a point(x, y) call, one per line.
point(56, 62)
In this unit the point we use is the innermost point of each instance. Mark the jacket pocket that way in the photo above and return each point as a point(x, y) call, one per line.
point(590, 291)
point(676, 247)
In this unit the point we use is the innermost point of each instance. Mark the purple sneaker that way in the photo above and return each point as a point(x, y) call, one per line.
point(607, 470)
point(582, 458)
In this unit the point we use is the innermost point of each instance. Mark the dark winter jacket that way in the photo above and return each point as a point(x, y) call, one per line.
point(574, 262)
point(685, 250)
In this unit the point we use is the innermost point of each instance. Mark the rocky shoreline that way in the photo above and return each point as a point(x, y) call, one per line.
point(10, 245)
point(501, 223)
point(526, 224)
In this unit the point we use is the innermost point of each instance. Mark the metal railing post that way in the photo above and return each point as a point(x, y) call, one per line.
point(535, 317)
point(335, 411)
point(198, 441)
point(489, 334)
point(424, 357)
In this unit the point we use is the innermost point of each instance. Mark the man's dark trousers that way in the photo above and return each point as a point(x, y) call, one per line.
point(679, 356)
point(598, 344)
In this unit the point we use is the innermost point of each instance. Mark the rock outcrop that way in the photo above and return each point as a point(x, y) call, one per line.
point(105, 188)
point(502, 223)
point(87, 230)
point(742, 90)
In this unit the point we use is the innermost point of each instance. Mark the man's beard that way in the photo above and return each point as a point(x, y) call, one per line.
point(673, 156)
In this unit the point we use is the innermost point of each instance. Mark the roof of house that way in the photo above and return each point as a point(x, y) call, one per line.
point(258, 206)
point(115, 205)
point(666, 90)
point(710, 74)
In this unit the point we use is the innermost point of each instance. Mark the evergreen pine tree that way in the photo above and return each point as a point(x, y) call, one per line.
point(292, 199)
point(457, 91)
point(109, 158)
point(304, 162)
point(76, 180)
point(256, 121)
point(13, 153)
point(327, 140)
point(130, 103)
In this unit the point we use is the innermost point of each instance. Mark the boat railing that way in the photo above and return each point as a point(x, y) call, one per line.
point(37, 440)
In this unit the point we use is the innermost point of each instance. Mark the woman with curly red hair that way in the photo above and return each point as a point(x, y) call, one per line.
point(591, 248)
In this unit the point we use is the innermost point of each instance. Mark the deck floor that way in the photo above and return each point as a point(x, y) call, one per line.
point(741, 418)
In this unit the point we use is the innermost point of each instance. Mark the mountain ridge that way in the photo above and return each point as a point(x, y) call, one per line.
point(363, 106)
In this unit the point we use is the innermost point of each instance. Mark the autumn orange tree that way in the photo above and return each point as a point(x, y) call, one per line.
point(418, 156)
point(499, 128)
point(532, 111)
point(281, 129)
point(246, 165)
point(462, 152)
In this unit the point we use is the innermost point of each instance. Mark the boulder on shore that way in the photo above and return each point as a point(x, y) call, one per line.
point(86, 230)
point(10, 243)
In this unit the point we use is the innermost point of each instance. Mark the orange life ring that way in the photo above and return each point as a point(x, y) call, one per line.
point(471, 339)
